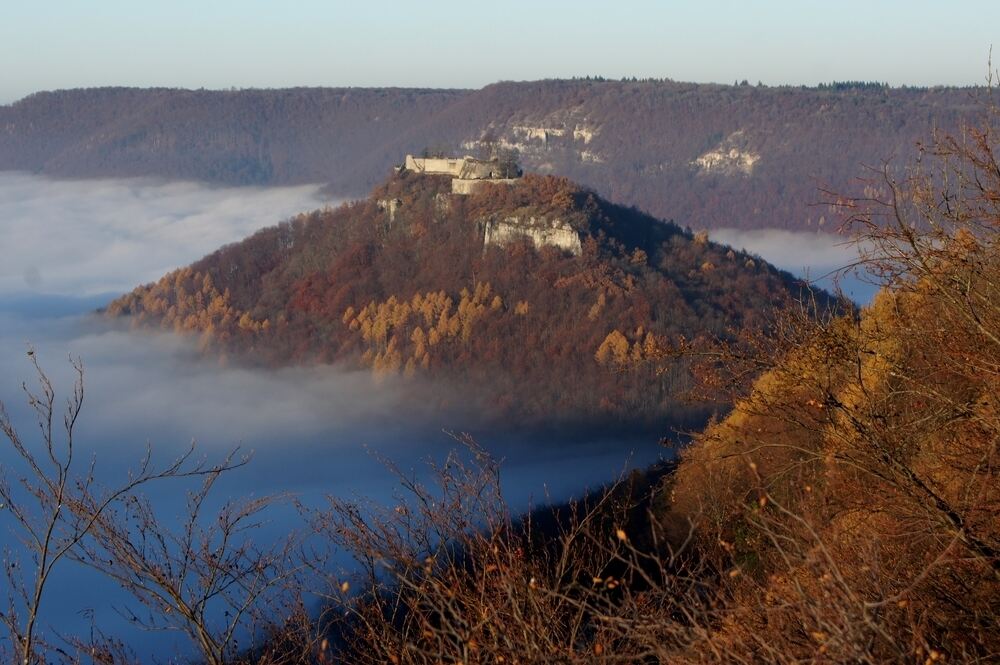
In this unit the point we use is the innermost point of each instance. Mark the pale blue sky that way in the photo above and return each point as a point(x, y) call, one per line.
point(256, 43)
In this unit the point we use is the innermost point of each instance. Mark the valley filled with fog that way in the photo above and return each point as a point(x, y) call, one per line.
point(71, 246)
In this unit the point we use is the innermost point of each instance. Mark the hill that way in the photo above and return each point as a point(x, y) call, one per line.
point(538, 300)
point(706, 156)
point(844, 511)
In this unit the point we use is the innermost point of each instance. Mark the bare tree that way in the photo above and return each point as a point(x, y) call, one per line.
point(489, 145)
point(208, 580)
point(55, 508)
point(508, 162)
point(447, 574)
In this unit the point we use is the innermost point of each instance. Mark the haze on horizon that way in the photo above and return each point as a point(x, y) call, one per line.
point(253, 43)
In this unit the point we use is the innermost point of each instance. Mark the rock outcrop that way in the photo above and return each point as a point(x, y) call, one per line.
point(542, 232)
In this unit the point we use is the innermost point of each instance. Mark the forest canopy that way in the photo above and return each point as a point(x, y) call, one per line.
point(410, 289)
point(662, 145)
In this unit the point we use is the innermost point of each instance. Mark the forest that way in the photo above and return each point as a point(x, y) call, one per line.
point(536, 335)
point(843, 510)
point(637, 142)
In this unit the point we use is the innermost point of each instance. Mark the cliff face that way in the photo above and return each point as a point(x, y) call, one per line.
point(541, 232)
point(703, 155)
point(537, 301)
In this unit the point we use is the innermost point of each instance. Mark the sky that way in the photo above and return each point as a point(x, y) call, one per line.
point(443, 43)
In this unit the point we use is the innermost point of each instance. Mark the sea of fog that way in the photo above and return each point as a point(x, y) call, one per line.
point(67, 247)
point(822, 259)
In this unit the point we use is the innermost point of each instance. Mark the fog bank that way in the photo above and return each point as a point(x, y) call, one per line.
point(87, 237)
point(821, 258)
point(70, 246)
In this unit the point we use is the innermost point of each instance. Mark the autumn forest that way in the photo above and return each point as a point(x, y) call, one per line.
point(582, 370)
point(536, 334)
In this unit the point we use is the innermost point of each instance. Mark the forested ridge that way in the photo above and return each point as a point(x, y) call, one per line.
point(706, 156)
point(413, 292)
point(844, 511)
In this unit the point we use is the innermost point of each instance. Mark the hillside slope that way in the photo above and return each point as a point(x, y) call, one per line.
point(844, 511)
point(706, 156)
point(857, 489)
point(517, 326)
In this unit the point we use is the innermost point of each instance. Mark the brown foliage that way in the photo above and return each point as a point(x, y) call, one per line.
point(514, 328)
point(845, 511)
point(448, 575)
point(858, 481)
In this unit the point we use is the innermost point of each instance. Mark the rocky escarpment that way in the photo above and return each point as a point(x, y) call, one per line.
point(704, 155)
point(540, 231)
point(733, 156)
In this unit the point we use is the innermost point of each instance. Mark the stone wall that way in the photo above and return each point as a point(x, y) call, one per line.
point(467, 186)
point(466, 167)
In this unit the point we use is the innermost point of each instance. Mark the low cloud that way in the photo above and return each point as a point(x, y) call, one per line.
point(307, 430)
point(87, 237)
point(159, 388)
point(102, 237)
point(824, 259)
point(798, 252)
point(69, 246)
point(312, 431)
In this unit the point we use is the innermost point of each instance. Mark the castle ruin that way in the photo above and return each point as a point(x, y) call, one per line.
point(466, 172)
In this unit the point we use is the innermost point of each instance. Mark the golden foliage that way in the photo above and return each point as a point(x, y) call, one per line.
point(861, 471)
point(187, 300)
point(393, 330)
point(618, 351)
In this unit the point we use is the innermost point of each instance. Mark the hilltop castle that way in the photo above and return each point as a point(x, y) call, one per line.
point(467, 172)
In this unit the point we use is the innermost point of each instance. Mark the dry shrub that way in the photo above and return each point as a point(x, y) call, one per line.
point(448, 575)
point(845, 511)
point(857, 483)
